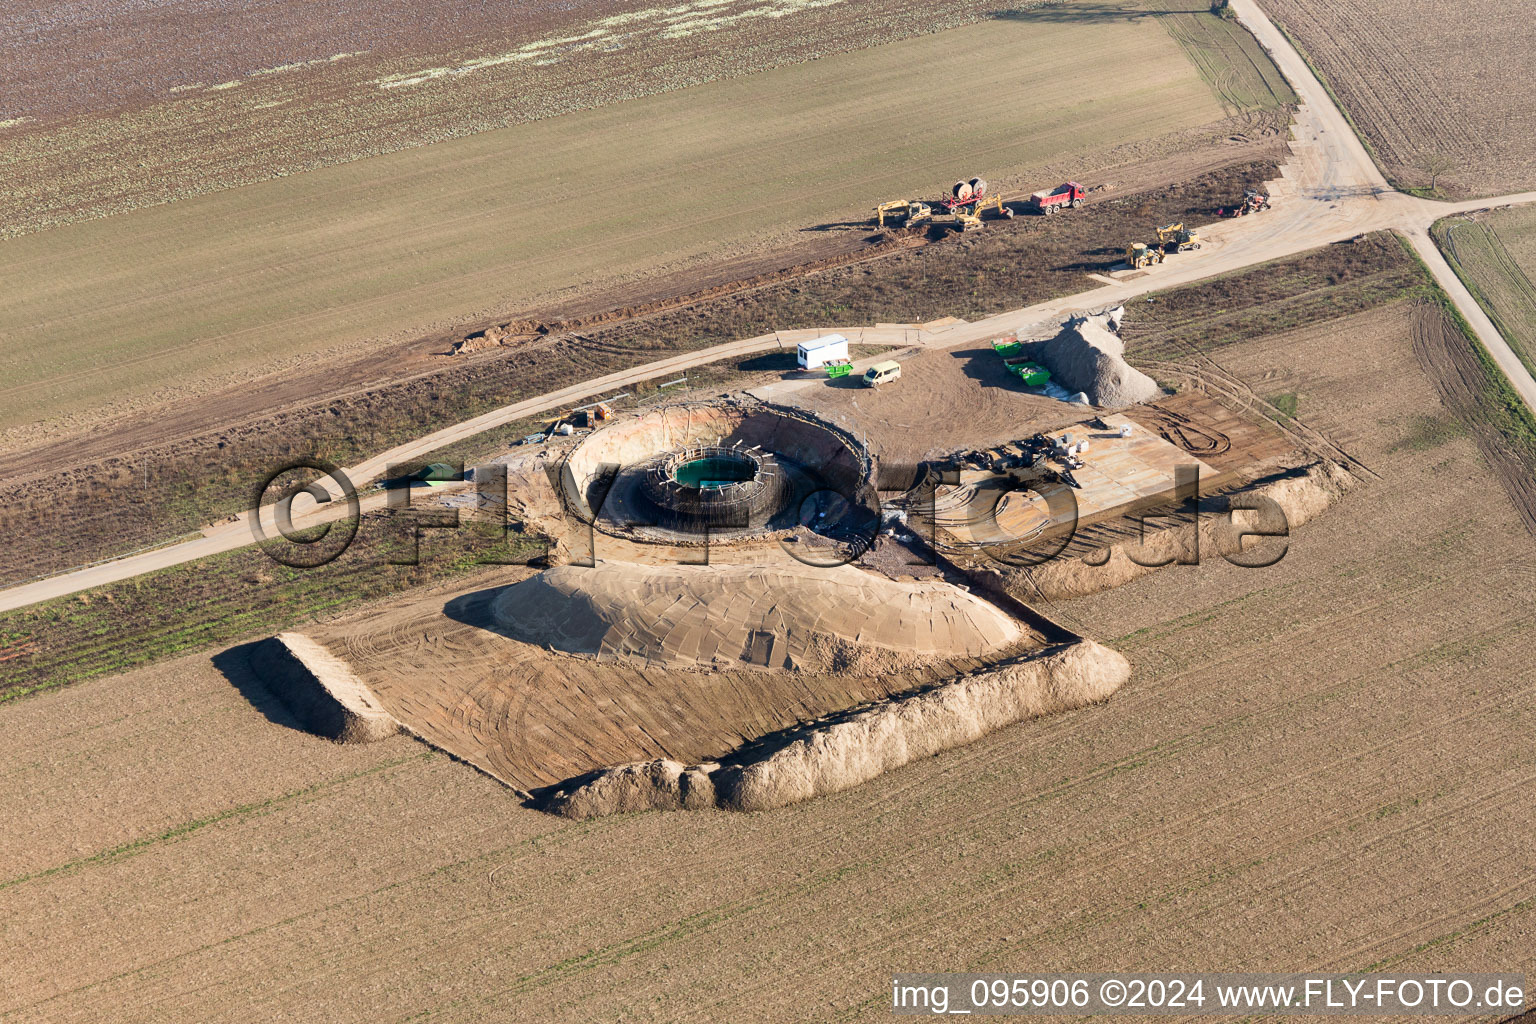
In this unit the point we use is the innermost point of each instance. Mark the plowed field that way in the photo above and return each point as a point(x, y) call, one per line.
point(1428, 83)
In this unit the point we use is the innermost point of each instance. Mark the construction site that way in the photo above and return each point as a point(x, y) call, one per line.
point(682, 514)
point(772, 595)
point(780, 592)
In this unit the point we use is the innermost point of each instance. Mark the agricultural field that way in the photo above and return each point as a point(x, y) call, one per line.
point(161, 112)
point(340, 257)
point(167, 302)
point(1495, 254)
point(1348, 828)
point(1438, 92)
point(211, 98)
point(1229, 58)
point(180, 471)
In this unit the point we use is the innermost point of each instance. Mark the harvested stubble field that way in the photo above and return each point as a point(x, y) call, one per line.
point(164, 303)
point(1495, 255)
point(161, 112)
point(161, 490)
point(1365, 705)
point(1427, 82)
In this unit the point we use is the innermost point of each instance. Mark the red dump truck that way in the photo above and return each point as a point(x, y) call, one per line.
point(1070, 194)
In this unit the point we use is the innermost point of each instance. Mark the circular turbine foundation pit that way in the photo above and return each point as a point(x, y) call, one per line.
point(715, 486)
point(720, 472)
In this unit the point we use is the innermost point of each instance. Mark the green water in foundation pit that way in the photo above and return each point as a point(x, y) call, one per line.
point(714, 473)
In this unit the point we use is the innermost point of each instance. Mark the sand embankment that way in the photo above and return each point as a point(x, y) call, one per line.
point(321, 690)
point(853, 748)
point(1299, 495)
point(797, 617)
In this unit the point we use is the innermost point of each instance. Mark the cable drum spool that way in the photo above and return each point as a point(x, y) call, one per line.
point(978, 187)
point(963, 190)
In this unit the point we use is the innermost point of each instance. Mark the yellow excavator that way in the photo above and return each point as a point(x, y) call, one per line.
point(961, 209)
point(967, 221)
point(1176, 238)
point(903, 212)
point(1139, 254)
point(967, 200)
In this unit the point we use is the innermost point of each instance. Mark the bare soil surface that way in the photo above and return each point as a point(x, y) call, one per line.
point(946, 400)
point(1452, 100)
point(449, 665)
point(1364, 709)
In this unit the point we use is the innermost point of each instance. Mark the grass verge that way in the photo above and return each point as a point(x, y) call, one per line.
point(1494, 278)
point(228, 598)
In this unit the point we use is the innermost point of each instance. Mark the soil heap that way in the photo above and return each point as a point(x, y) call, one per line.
point(1088, 356)
point(809, 618)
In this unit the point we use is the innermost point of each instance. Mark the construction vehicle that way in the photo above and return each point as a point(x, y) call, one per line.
point(1139, 254)
point(1068, 195)
point(1177, 238)
point(967, 221)
point(1254, 200)
point(903, 212)
point(966, 201)
point(962, 208)
point(587, 417)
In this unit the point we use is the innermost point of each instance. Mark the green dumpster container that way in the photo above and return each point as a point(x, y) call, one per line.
point(840, 369)
point(1032, 374)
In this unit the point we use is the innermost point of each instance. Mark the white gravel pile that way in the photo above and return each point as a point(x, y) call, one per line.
point(1088, 356)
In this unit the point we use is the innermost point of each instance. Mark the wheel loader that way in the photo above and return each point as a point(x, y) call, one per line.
point(1140, 254)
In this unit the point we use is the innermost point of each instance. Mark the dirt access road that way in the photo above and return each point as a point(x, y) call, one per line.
point(1329, 191)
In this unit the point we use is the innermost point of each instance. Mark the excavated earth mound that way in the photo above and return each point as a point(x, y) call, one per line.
point(806, 618)
point(1088, 356)
point(834, 756)
point(321, 689)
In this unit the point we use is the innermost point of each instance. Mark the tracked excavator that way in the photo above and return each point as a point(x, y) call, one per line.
point(962, 208)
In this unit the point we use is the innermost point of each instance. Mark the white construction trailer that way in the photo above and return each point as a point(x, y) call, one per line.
point(817, 352)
